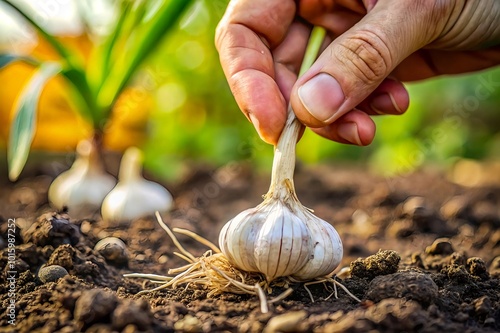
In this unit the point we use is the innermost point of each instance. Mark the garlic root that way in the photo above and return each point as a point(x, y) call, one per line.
point(216, 274)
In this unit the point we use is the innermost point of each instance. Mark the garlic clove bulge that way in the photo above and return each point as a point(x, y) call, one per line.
point(280, 237)
point(273, 241)
point(327, 249)
point(134, 197)
point(82, 188)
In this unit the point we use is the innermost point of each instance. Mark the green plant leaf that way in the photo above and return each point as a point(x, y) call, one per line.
point(82, 96)
point(99, 58)
point(24, 125)
point(146, 37)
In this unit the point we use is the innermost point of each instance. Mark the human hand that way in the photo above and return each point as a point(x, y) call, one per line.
point(371, 47)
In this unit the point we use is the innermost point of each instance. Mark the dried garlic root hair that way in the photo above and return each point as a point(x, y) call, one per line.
point(213, 272)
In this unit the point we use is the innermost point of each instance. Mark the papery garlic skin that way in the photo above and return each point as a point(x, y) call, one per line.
point(134, 197)
point(273, 241)
point(131, 200)
point(82, 188)
point(327, 249)
point(281, 238)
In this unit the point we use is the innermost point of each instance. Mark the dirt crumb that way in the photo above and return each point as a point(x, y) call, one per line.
point(390, 315)
point(94, 306)
point(63, 256)
point(52, 229)
point(382, 263)
point(131, 312)
point(397, 286)
point(411, 285)
point(477, 267)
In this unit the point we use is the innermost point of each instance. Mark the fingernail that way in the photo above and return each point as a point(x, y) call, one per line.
point(349, 132)
point(322, 96)
point(382, 103)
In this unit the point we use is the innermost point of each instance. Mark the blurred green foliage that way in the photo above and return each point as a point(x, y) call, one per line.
point(197, 119)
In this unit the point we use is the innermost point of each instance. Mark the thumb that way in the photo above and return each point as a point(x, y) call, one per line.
point(355, 63)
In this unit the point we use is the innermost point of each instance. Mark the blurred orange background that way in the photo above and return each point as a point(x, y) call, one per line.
point(59, 126)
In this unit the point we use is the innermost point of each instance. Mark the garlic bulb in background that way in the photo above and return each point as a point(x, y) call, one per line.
point(82, 188)
point(134, 196)
point(281, 237)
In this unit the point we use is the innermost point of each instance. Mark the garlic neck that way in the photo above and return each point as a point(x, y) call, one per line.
point(88, 158)
point(284, 159)
point(131, 165)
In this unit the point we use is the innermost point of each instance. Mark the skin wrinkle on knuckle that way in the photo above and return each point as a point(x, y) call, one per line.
point(450, 20)
point(238, 64)
point(368, 54)
point(473, 25)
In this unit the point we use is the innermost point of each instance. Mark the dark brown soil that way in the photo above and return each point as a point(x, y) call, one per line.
point(438, 268)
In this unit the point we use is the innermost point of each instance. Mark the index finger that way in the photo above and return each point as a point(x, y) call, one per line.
point(244, 38)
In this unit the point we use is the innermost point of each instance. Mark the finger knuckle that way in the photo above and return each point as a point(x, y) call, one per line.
point(367, 56)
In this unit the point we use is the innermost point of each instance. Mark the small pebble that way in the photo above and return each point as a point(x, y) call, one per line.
point(441, 246)
point(113, 249)
point(489, 321)
point(454, 207)
point(287, 322)
point(162, 259)
point(86, 227)
point(51, 273)
point(415, 208)
point(188, 324)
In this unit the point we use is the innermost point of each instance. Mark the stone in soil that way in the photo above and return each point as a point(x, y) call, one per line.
point(51, 273)
point(412, 285)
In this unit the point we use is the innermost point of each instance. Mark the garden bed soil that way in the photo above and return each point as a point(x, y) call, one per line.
point(423, 252)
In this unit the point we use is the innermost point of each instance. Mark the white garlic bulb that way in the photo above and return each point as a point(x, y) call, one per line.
point(134, 196)
point(82, 188)
point(281, 237)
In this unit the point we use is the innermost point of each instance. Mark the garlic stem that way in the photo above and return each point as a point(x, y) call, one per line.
point(280, 237)
point(284, 152)
point(131, 165)
point(90, 157)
